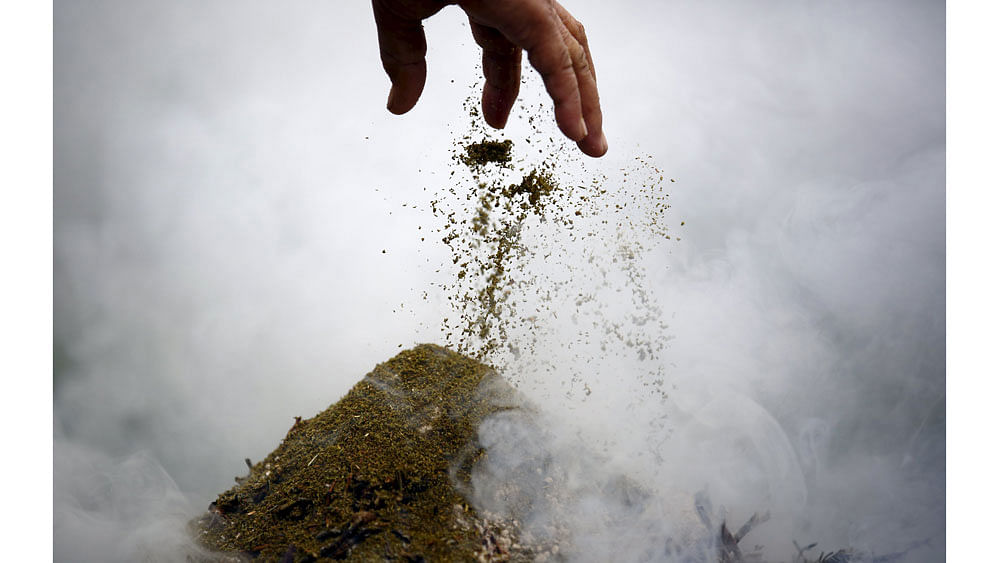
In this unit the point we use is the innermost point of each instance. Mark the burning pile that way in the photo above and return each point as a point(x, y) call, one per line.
point(372, 477)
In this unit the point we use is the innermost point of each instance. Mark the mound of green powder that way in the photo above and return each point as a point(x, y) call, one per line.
point(373, 476)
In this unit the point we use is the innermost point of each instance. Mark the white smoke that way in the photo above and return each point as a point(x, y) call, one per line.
point(118, 509)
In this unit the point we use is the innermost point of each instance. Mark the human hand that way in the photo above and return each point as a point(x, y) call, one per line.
point(556, 45)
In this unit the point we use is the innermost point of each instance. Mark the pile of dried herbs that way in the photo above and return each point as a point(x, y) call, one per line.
point(372, 477)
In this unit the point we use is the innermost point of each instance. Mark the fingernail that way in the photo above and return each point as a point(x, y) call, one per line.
point(583, 128)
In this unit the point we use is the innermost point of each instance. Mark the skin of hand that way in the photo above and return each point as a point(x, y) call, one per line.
point(554, 40)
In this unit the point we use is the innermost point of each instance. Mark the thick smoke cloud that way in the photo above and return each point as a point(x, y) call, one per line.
point(226, 179)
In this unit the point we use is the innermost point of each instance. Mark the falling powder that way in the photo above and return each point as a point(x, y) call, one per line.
point(531, 236)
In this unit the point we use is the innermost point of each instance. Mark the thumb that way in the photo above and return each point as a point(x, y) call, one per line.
point(402, 46)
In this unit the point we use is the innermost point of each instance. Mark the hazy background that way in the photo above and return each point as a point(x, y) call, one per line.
point(219, 268)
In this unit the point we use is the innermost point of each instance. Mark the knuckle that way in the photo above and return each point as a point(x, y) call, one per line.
point(551, 60)
point(578, 56)
point(567, 65)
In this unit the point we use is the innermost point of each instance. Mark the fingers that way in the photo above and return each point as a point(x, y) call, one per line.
point(403, 46)
point(595, 143)
point(555, 41)
point(576, 30)
point(548, 52)
point(557, 47)
point(502, 70)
